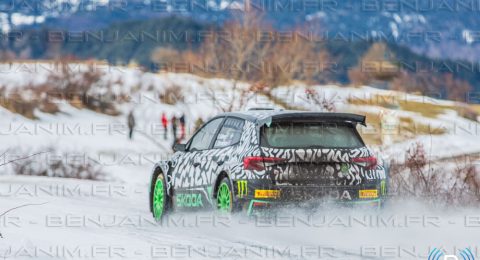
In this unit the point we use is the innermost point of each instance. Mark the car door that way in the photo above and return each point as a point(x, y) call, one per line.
point(224, 144)
point(192, 163)
point(215, 159)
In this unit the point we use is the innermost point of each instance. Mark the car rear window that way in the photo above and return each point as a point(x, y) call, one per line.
point(310, 135)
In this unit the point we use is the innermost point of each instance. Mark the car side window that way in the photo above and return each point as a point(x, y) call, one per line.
point(230, 133)
point(203, 138)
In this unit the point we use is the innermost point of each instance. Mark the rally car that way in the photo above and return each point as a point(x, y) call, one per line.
point(255, 159)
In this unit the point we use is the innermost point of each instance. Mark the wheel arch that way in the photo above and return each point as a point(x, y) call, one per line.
point(159, 168)
point(220, 176)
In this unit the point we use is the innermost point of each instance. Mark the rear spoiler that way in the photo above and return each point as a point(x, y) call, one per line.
point(313, 116)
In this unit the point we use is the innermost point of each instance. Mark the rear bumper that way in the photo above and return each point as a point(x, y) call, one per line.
point(255, 205)
point(263, 194)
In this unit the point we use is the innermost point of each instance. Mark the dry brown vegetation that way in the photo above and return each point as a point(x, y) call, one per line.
point(62, 85)
point(427, 109)
point(378, 64)
point(50, 163)
point(456, 89)
point(407, 129)
point(246, 50)
point(15, 103)
point(18, 102)
point(76, 88)
point(432, 181)
point(172, 94)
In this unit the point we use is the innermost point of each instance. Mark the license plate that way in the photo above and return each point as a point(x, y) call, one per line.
point(265, 194)
point(368, 194)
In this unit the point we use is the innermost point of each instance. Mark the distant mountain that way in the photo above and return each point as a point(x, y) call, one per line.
point(440, 29)
point(118, 43)
point(135, 41)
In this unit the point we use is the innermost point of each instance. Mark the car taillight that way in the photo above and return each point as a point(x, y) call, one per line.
point(367, 162)
point(258, 163)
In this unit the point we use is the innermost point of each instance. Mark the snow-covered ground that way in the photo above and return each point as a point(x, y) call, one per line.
point(75, 219)
point(110, 218)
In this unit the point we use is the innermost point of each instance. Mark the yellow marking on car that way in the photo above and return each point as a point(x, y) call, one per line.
point(368, 194)
point(383, 188)
point(267, 194)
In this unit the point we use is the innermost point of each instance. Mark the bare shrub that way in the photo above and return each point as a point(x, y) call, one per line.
point(323, 102)
point(79, 88)
point(40, 93)
point(472, 180)
point(454, 182)
point(358, 77)
point(398, 184)
point(53, 164)
point(238, 98)
point(17, 103)
point(419, 178)
point(416, 160)
point(465, 189)
point(172, 95)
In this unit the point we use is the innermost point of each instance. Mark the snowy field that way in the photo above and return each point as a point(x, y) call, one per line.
point(63, 218)
point(104, 220)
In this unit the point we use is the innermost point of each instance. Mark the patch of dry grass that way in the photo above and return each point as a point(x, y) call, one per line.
point(371, 134)
point(426, 109)
point(408, 128)
point(19, 106)
point(475, 108)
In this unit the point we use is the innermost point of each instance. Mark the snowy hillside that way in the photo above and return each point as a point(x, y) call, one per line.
point(76, 130)
point(68, 218)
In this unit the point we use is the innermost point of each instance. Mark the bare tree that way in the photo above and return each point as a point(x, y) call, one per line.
point(293, 58)
point(234, 53)
point(166, 57)
point(248, 50)
point(234, 50)
point(457, 89)
point(322, 102)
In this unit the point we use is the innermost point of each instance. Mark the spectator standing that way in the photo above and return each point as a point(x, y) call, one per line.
point(131, 124)
point(174, 128)
point(165, 125)
point(182, 127)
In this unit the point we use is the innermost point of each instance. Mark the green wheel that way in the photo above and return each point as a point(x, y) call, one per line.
point(159, 198)
point(224, 197)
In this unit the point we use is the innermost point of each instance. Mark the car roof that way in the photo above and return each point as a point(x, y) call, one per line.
point(264, 115)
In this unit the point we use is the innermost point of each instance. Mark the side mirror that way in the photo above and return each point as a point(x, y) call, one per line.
point(179, 147)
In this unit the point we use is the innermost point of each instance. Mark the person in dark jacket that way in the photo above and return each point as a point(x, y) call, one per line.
point(131, 124)
point(174, 127)
point(182, 127)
